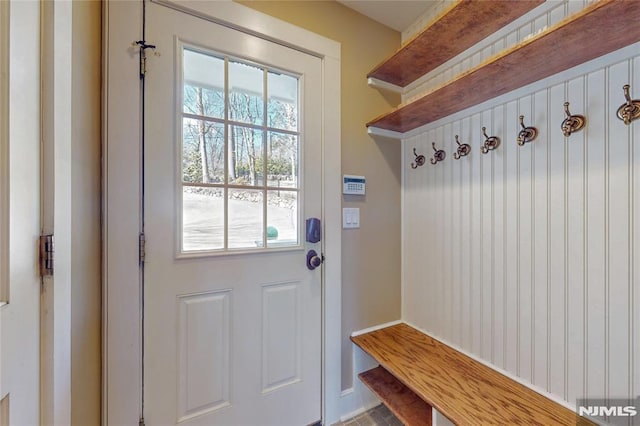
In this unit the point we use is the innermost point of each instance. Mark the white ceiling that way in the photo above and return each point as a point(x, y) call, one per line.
point(394, 14)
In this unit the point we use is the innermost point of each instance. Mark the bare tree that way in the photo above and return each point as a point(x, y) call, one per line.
point(208, 135)
point(245, 107)
point(202, 136)
point(204, 153)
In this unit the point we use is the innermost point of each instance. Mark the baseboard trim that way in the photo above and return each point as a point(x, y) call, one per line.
point(359, 411)
point(375, 327)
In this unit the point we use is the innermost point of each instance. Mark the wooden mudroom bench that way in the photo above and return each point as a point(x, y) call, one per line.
point(418, 372)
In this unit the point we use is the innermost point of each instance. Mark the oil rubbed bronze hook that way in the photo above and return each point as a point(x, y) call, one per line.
point(463, 149)
point(572, 123)
point(630, 110)
point(419, 161)
point(438, 155)
point(490, 143)
point(527, 134)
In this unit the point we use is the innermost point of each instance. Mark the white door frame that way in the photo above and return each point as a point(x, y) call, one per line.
point(20, 201)
point(55, 300)
point(122, 343)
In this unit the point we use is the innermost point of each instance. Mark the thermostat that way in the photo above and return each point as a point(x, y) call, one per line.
point(353, 185)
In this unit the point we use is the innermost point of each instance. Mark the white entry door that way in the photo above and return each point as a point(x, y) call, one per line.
point(232, 314)
point(19, 212)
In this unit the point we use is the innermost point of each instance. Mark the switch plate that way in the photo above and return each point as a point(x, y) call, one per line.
point(350, 218)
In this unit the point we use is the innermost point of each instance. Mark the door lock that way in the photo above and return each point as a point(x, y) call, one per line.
point(314, 233)
point(314, 260)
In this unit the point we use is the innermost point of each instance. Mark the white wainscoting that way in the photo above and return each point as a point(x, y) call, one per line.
point(529, 257)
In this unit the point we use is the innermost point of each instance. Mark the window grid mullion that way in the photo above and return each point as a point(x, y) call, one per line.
point(226, 155)
point(240, 124)
point(264, 157)
point(240, 187)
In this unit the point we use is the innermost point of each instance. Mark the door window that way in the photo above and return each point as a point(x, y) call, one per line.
point(240, 150)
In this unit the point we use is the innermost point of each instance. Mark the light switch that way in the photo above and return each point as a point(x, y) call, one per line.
point(350, 218)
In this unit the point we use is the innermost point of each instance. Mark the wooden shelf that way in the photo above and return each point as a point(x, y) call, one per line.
point(406, 405)
point(600, 28)
point(458, 28)
point(462, 389)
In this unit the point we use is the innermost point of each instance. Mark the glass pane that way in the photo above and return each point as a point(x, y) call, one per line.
point(202, 151)
point(245, 218)
point(203, 84)
point(282, 107)
point(246, 156)
point(282, 160)
point(246, 93)
point(202, 218)
point(282, 218)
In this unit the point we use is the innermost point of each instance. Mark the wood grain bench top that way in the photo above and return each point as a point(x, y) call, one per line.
point(462, 389)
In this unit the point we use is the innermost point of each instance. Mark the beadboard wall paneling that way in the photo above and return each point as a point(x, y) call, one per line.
point(549, 13)
point(634, 299)
point(435, 8)
point(527, 257)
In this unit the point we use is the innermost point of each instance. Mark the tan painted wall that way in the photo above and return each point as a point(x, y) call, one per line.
point(85, 215)
point(371, 254)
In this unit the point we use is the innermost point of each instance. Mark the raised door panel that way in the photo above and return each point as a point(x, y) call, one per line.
point(281, 335)
point(204, 353)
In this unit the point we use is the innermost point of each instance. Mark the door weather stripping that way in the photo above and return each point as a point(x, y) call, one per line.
point(46, 255)
point(141, 248)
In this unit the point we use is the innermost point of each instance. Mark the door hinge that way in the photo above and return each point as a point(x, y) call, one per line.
point(46, 255)
point(141, 248)
point(141, 421)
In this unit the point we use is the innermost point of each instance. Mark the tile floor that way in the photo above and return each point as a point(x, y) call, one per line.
point(377, 416)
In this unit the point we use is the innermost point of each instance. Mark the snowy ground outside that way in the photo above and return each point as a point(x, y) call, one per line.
point(203, 218)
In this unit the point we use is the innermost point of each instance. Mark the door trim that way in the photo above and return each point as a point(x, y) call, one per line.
point(4, 153)
point(56, 133)
point(122, 345)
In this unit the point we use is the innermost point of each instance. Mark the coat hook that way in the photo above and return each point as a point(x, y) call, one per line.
point(527, 134)
point(438, 155)
point(419, 160)
point(463, 149)
point(490, 143)
point(630, 110)
point(572, 123)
